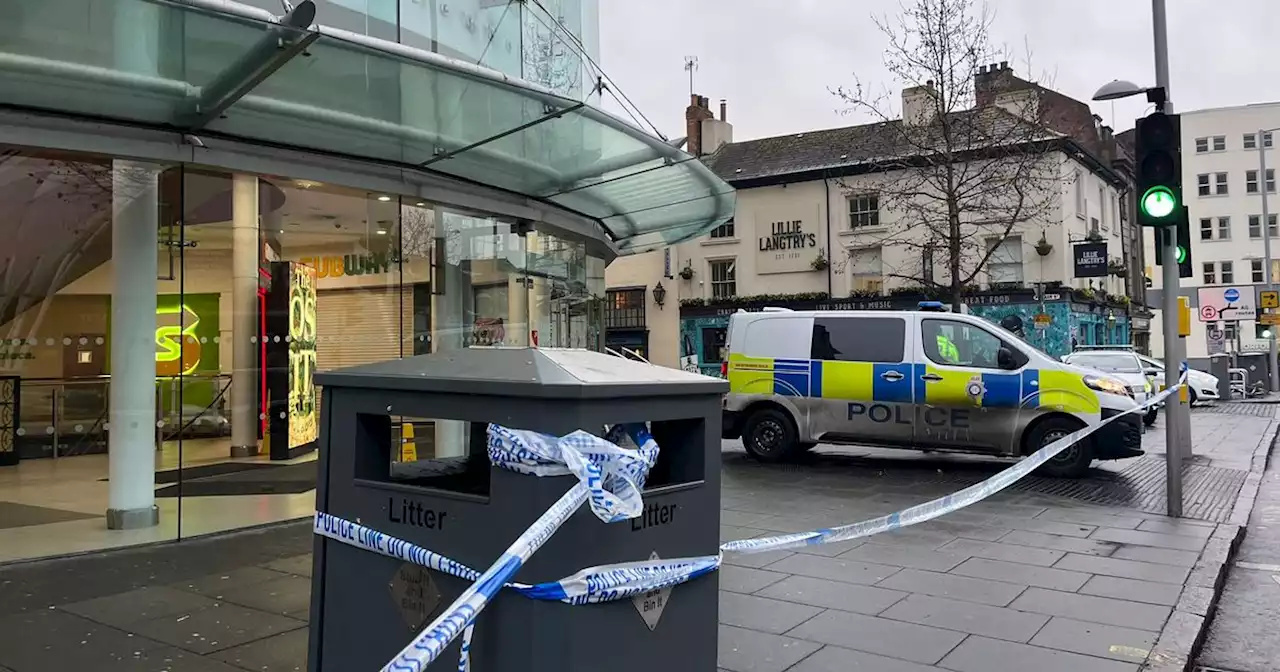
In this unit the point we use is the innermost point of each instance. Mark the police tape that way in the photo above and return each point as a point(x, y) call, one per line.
point(611, 478)
point(943, 505)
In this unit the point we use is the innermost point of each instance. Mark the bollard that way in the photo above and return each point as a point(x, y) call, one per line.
point(367, 607)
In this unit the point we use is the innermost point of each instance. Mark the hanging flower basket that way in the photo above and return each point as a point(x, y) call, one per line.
point(686, 273)
point(1043, 247)
point(819, 262)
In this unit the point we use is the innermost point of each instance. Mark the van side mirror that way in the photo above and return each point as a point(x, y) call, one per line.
point(1005, 359)
point(1153, 372)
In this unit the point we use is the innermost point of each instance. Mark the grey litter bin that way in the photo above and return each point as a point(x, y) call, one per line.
point(366, 607)
point(1220, 368)
point(1256, 364)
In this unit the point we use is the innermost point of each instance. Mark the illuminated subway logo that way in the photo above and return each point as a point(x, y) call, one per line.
point(349, 264)
point(178, 349)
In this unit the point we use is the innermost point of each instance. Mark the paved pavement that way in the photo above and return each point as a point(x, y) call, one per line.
point(1024, 580)
point(1242, 636)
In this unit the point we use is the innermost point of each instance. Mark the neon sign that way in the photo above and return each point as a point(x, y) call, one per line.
point(178, 349)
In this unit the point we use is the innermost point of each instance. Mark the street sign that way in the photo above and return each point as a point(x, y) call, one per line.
point(1270, 319)
point(1208, 313)
point(1269, 299)
point(1216, 343)
point(1231, 303)
point(1043, 320)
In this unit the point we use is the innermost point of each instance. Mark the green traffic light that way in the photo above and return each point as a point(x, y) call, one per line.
point(1182, 254)
point(1159, 202)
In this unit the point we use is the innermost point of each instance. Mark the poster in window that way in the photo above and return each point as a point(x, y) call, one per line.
point(290, 344)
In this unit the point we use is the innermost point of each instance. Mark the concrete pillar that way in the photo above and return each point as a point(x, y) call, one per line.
point(131, 501)
point(449, 307)
point(517, 326)
point(244, 315)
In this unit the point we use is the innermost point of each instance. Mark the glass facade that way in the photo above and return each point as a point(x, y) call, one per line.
point(205, 202)
point(151, 326)
point(552, 43)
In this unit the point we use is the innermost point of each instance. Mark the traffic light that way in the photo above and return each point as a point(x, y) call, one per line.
point(1158, 145)
point(1182, 237)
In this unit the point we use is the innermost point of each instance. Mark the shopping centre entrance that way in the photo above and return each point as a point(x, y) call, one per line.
point(168, 319)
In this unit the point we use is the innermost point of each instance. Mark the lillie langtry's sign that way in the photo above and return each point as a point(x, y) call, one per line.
point(787, 236)
point(349, 264)
point(785, 247)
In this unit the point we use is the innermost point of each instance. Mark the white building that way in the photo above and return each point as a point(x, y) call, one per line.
point(811, 229)
point(1222, 190)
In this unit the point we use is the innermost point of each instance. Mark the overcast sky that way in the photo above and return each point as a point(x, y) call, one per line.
point(775, 61)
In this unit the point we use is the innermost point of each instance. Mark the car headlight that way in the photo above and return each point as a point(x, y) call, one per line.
point(1108, 385)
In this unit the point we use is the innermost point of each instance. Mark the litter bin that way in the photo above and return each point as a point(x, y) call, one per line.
point(1256, 364)
point(1220, 368)
point(367, 607)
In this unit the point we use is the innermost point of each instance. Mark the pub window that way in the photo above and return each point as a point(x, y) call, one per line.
point(723, 278)
point(713, 344)
point(864, 211)
point(624, 308)
point(723, 231)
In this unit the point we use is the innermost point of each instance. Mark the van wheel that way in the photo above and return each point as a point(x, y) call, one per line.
point(769, 436)
point(1150, 418)
point(1070, 463)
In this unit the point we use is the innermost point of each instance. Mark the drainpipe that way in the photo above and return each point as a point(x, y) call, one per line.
point(826, 188)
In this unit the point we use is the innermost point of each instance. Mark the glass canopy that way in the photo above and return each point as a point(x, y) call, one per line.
point(220, 67)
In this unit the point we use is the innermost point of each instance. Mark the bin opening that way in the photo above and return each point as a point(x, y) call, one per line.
point(432, 453)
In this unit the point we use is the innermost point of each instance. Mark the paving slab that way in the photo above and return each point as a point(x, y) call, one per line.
point(1125, 569)
point(895, 639)
point(993, 550)
point(285, 652)
point(742, 650)
point(978, 619)
point(1018, 573)
point(747, 580)
point(981, 591)
point(981, 654)
point(1095, 639)
point(1096, 609)
point(833, 594)
point(763, 614)
point(836, 659)
point(1133, 590)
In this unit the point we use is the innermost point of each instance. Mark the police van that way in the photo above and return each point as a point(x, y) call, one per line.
point(923, 379)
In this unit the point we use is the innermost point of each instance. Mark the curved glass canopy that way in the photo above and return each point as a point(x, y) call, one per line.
point(215, 66)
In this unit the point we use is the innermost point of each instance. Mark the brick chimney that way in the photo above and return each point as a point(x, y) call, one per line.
point(994, 79)
point(919, 104)
point(698, 111)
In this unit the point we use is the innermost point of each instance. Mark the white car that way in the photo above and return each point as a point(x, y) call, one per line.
point(1124, 365)
point(1201, 386)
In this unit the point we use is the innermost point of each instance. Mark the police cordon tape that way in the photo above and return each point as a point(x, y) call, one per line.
point(611, 479)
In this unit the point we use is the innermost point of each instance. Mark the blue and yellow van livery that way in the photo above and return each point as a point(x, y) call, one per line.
point(782, 398)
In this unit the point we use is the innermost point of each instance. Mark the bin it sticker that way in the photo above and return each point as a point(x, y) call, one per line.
point(415, 594)
point(651, 604)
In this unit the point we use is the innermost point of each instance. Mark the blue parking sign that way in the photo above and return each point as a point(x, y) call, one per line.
point(1231, 295)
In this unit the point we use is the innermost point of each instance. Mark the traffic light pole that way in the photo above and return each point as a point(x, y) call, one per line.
point(1266, 255)
point(1174, 409)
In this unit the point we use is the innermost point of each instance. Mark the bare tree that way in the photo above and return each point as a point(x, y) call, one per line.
point(954, 179)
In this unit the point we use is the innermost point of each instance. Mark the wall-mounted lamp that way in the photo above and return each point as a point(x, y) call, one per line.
point(659, 294)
